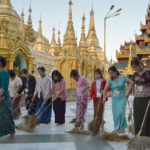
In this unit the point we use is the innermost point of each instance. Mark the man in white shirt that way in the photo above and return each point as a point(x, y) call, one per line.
point(15, 84)
point(42, 90)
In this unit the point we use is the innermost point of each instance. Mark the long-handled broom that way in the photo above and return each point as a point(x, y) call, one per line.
point(17, 101)
point(130, 119)
point(94, 126)
point(79, 127)
point(31, 121)
point(73, 120)
point(140, 142)
point(114, 136)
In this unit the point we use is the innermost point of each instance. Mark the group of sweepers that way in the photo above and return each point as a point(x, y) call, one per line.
point(39, 102)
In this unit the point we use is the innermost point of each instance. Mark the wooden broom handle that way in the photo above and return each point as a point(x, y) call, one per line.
point(98, 108)
point(130, 111)
point(142, 125)
point(44, 110)
point(129, 106)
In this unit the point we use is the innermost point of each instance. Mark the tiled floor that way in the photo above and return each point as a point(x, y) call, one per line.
point(40, 146)
point(51, 137)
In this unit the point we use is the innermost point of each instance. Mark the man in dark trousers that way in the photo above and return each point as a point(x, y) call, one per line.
point(28, 85)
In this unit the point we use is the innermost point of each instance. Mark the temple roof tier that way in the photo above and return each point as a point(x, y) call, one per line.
point(139, 38)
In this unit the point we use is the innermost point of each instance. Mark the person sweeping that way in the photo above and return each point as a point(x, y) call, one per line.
point(15, 84)
point(96, 93)
point(117, 83)
point(42, 89)
point(30, 83)
point(82, 86)
point(141, 86)
point(60, 97)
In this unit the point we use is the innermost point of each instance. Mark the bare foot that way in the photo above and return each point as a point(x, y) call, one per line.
point(11, 137)
point(122, 131)
point(16, 118)
point(59, 124)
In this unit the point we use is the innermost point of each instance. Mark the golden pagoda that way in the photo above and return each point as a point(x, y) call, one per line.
point(23, 47)
point(139, 48)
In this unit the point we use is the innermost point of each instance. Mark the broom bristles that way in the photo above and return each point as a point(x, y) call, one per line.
point(113, 137)
point(78, 131)
point(130, 116)
point(93, 127)
point(84, 132)
point(139, 143)
point(131, 129)
point(73, 120)
point(74, 130)
point(26, 117)
point(28, 124)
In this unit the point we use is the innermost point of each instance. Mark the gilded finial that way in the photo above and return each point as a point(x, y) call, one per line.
point(30, 9)
point(53, 42)
point(22, 21)
point(53, 29)
point(59, 42)
point(92, 32)
point(22, 13)
point(92, 10)
point(39, 37)
point(40, 21)
point(70, 2)
point(83, 18)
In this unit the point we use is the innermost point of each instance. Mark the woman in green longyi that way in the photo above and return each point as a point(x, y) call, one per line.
point(117, 83)
point(6, 111)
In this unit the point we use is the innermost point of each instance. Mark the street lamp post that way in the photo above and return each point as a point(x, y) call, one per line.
point(108, 16)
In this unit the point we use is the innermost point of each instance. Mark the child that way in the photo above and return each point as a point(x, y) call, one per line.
point(96, 93)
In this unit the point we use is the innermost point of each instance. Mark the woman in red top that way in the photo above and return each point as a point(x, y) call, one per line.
point(98, 86)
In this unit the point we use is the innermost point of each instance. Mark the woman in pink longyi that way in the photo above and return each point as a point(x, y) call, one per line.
point(82, 86)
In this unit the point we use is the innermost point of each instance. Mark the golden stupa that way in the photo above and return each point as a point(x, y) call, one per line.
point(23, 47)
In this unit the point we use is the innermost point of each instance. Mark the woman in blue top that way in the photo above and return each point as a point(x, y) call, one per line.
point(117, 83)
point(6, 111)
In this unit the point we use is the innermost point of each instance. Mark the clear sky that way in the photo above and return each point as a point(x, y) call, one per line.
point(119, 28)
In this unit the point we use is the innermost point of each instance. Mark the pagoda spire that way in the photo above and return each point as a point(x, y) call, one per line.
point(130, 57)
point(22, 21)
point(59, 42)
point(129, 68)
point(70, 11)
point(58, 48)
point(83, 38)
point(83, 43)
point(29, 17)
point(53, 46)
point(29, 35)
point(92, 32)
point(53, 42)
point(39, 36)
point(69, 37)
